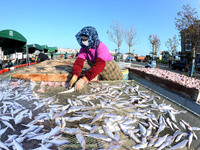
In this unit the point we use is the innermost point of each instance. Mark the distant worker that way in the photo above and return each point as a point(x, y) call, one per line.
point(40, 56)
point(98, 57)
point(51, 55)
point(170, 62)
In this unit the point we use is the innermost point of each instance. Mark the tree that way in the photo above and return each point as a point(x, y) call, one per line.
point(155, 41)
point(116, 35)
point(130, 38)
point(172, 45)
point(188, 25)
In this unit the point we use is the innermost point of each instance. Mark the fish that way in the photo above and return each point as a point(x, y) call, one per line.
point(160, 141)
point(86, 126)
point(98, 117)
point(182, 144)
point(68, 91)
point(2, 131)
point(143, 130)
point(8, 124)
point(2, 145)
point(57, 142)
point(190, 138)
point(109, 133)
point(139, 146)
point(81, 140)
point(133, 136)
point(178, 138)
point(100, 137)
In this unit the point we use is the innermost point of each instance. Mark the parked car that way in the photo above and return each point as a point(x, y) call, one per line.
point(181, 66)
point(152, 64)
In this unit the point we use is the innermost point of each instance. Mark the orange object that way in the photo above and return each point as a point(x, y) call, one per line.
point(1, 71)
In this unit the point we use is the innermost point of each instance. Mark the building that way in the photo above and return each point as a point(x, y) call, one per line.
point(186, 44)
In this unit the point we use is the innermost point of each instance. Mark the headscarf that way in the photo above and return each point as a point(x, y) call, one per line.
point(91, 34)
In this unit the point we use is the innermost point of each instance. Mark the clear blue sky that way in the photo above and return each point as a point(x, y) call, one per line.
point(55, 22)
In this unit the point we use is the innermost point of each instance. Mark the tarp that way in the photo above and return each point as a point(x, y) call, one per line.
point(11, 40)
point(33, 47)
point(52, 49)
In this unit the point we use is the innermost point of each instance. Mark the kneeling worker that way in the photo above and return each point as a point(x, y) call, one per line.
point(98, 57)
point(40, 56)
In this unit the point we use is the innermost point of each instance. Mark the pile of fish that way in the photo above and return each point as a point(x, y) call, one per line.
point(112, 114)
point(172, 76)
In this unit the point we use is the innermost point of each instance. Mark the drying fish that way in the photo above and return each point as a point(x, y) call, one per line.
point(179, 145)
point(99, 136)
point(68, 91)
point(81, 140)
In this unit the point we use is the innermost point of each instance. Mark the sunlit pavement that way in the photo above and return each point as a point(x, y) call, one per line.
point(165, 67)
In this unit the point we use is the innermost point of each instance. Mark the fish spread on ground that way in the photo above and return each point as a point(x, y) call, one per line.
point(106, 113)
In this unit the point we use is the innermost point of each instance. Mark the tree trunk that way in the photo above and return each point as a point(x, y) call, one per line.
point(118, 49)
point(193, 62)
point(130, 54)
point(154, 51)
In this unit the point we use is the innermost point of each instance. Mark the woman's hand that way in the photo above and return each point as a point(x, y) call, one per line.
point(72, 81)
point(81, 83)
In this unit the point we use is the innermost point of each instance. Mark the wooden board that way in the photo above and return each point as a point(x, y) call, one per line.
point(43, 77)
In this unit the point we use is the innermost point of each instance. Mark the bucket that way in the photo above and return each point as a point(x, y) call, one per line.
point(123, 65)
point(125, 74)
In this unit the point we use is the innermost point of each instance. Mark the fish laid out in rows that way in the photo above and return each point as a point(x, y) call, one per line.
point(114, 113)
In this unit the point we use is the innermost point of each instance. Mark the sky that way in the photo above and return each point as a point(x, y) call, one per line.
point(56, 22)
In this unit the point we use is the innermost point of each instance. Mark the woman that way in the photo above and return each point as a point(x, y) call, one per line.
point(98, 57)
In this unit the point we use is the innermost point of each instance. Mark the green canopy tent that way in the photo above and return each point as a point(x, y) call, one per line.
point(33, 47)
point(52, 49)
point(11, 41)
point(45, 48)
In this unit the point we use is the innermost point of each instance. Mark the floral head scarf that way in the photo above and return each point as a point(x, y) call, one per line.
point(91, 34)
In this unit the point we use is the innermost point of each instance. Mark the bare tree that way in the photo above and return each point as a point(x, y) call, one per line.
point(155, 41)
point(188, 25)
point(117, 34)
point(172, 45)
point(130, 38)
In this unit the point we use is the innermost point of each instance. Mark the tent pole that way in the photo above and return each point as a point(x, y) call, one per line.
point(27, 59)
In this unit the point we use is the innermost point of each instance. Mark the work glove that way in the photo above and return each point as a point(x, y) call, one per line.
point(81, 83)
point(72, 81)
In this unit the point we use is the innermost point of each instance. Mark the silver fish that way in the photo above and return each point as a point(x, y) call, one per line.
point(143, 130)
point(160, 141)
point(17, 145)
point(68, 91)
point(133, 136)
point(142, 145)
point(57, 142)
point(2, 131)
point(109, 133)
point(8, 124)
point(182, 144)
point(190, 138)
point(98, 117)
point(86, 126)
point(100, 137)
point(81, 140)
point(2, 145)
